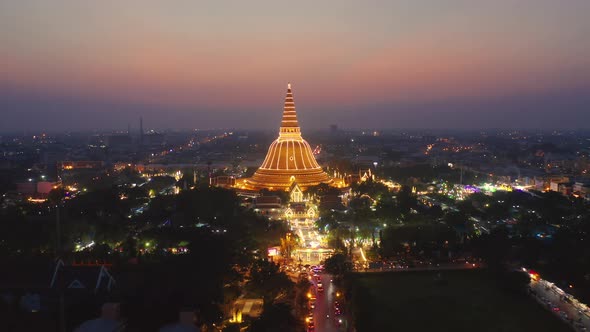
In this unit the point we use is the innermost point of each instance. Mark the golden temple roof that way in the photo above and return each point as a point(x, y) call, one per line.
point(289, 158)
point(289, 114)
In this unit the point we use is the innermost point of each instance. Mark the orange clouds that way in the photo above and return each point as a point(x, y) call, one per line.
point(183, 70)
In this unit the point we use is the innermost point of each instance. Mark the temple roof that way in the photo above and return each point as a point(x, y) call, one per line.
point(289, 157)
point(289, 123)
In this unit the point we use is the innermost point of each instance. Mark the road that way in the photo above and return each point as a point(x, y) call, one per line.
point(544, 292)
point(438, 267)
point(325, 306)
point(313, 249)
point(307, 232)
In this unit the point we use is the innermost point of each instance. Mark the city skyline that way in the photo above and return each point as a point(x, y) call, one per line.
point(295, 166)
point(443, 64)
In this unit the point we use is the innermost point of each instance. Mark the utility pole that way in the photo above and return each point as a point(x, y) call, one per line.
point(57, 231)
point(58, 247)
point(352, 235)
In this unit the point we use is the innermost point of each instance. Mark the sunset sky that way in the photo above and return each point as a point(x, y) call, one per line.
point(212, 64)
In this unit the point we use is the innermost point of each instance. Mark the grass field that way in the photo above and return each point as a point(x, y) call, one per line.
point(467, 300)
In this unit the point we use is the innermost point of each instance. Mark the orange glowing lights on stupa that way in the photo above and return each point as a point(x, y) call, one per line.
point(289, 158)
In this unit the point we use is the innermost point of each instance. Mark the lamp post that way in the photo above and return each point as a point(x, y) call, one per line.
point(288, 245)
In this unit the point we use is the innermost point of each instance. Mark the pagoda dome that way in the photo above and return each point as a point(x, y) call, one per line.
point(289, 158)
point(289, 154)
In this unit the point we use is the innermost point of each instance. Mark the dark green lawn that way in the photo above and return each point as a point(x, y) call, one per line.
point(463, 301)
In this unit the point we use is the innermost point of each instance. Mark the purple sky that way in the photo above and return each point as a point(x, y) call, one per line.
point(212, 64)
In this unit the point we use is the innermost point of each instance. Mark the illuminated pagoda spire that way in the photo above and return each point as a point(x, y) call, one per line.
point(289, 124)
point(289, 158)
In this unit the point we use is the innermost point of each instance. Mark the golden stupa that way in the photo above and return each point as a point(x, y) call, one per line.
point(289, 159)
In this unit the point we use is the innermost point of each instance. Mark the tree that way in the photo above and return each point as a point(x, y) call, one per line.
point(322, 189)
point(494, 248)
point(406, 200)
point(283, 195)
point(459, 222)
point(301, 299)
point(55, 196)
point(338, 265)
point(277, 318)
point(130, 247)
point(516, 281)
point(374, 189)
point(288, 243)
point(267, 281)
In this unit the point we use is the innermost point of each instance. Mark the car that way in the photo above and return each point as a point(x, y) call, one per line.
point(319, 284)
point(320, 288)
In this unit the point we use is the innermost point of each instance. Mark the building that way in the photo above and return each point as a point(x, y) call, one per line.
point(289, 158)
point(83, 164)
point(581, 189)
point(296, 193)
point(267, 202)
point(153, 139)
point(300, 208)
point(89, 277)
point(44, 187)
point(301, 211)
point(26, 188)
point(223, 181)
point(268, 206)
point(37, 284)
point(332, 202)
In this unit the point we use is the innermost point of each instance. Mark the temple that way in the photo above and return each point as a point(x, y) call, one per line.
point(289, 159)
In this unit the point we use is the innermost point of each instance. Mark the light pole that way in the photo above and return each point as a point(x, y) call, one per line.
point(288, 245)
point(58, 247)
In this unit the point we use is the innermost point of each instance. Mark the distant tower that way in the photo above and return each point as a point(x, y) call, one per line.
point(140, 130)
point(129, 129)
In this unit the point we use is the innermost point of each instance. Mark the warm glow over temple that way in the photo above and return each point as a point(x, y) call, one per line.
point(289, 158)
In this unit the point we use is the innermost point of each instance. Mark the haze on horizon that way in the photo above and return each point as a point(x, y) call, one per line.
point(210, 64)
